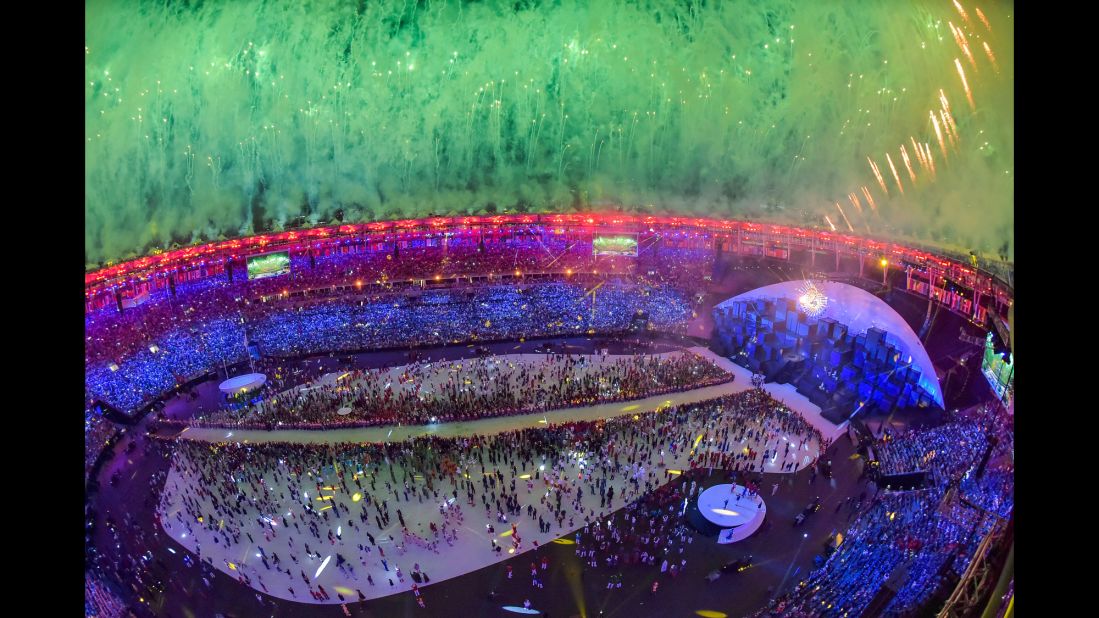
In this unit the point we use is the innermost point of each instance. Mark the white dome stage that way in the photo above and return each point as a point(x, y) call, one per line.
point(737, 517)
point(243, 383)
point(858, 310)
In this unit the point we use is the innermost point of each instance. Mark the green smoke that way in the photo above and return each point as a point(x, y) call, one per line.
point(207, 119)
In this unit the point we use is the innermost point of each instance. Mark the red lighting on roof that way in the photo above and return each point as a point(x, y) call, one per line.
point(114, 274)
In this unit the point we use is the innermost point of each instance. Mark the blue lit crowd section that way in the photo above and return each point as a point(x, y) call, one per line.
point(361, 295)
point(434, 317)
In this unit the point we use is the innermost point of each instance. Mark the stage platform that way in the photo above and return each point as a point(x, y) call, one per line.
point(786, 393)
point(243, 383)
point(738, 518)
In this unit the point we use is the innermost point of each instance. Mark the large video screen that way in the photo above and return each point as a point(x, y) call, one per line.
point(268, 265)
point(999, 371)
point(614, 245)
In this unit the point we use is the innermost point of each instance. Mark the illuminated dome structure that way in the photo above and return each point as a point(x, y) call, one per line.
point(359, 274)
point(858, 311)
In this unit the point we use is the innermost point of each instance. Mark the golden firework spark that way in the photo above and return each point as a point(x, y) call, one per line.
point(907, 163)
point(983, 19)
point(938, 132)
point(965, 84)
point(927, 155)
point(943, 100)
point(961, 11)
point(969, 54)
point(869, 199)
point(877, 174)
point(946, 128)
point(896, 176)
point(949, 119)
point(959, 38)
point(919, 152)
point(991, 57)
point(855, 202)
point(845, 219)
point(830, 224)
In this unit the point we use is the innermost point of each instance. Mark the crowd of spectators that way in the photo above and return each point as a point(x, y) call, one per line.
point(937, 451)
point(948, 449)
point(134, 356)
point(460, 315)
point(100, 601)
point(915, 539)
point(470, 389)
point(98, 431)
point(917, 542)
point(177, 357)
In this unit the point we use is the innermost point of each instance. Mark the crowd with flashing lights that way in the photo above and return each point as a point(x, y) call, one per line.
point(206, 339)
point(379, 511)
point(177, 357)
point(459, 315)
point(443, 391)
point(920, 541)
point(100, 601)
point(200, 326)
point(97, 433)
point(111, 336)
point(125, 556)
point(943, 450)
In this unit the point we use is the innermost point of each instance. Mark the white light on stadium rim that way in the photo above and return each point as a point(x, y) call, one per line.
point(812, 301)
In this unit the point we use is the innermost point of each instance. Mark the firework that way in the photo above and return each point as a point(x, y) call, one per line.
point(983, 19)
point(938, 132)
point(927, 155)
point(869, 198)
point(948, 119)
point(855, 202)
point(896, 176)
point(965, 84)
point(877, 174)
point(991, 57)
point(961, 11)
point(942, 99)
point(946, 128)
point(959, 38)
point(919, 152)
point(845, 219)
point(830, 224)
point(907, 163)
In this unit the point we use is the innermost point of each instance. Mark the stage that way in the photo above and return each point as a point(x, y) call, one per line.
point(737, 517)
point(242, 383)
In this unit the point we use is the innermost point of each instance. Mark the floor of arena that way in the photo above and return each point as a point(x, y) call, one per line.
point(470, 577)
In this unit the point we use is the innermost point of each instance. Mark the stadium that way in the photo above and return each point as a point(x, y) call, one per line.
point(382, 298)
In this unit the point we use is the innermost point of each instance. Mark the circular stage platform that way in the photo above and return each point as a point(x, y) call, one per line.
point(242, 384)
point(737, 517)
